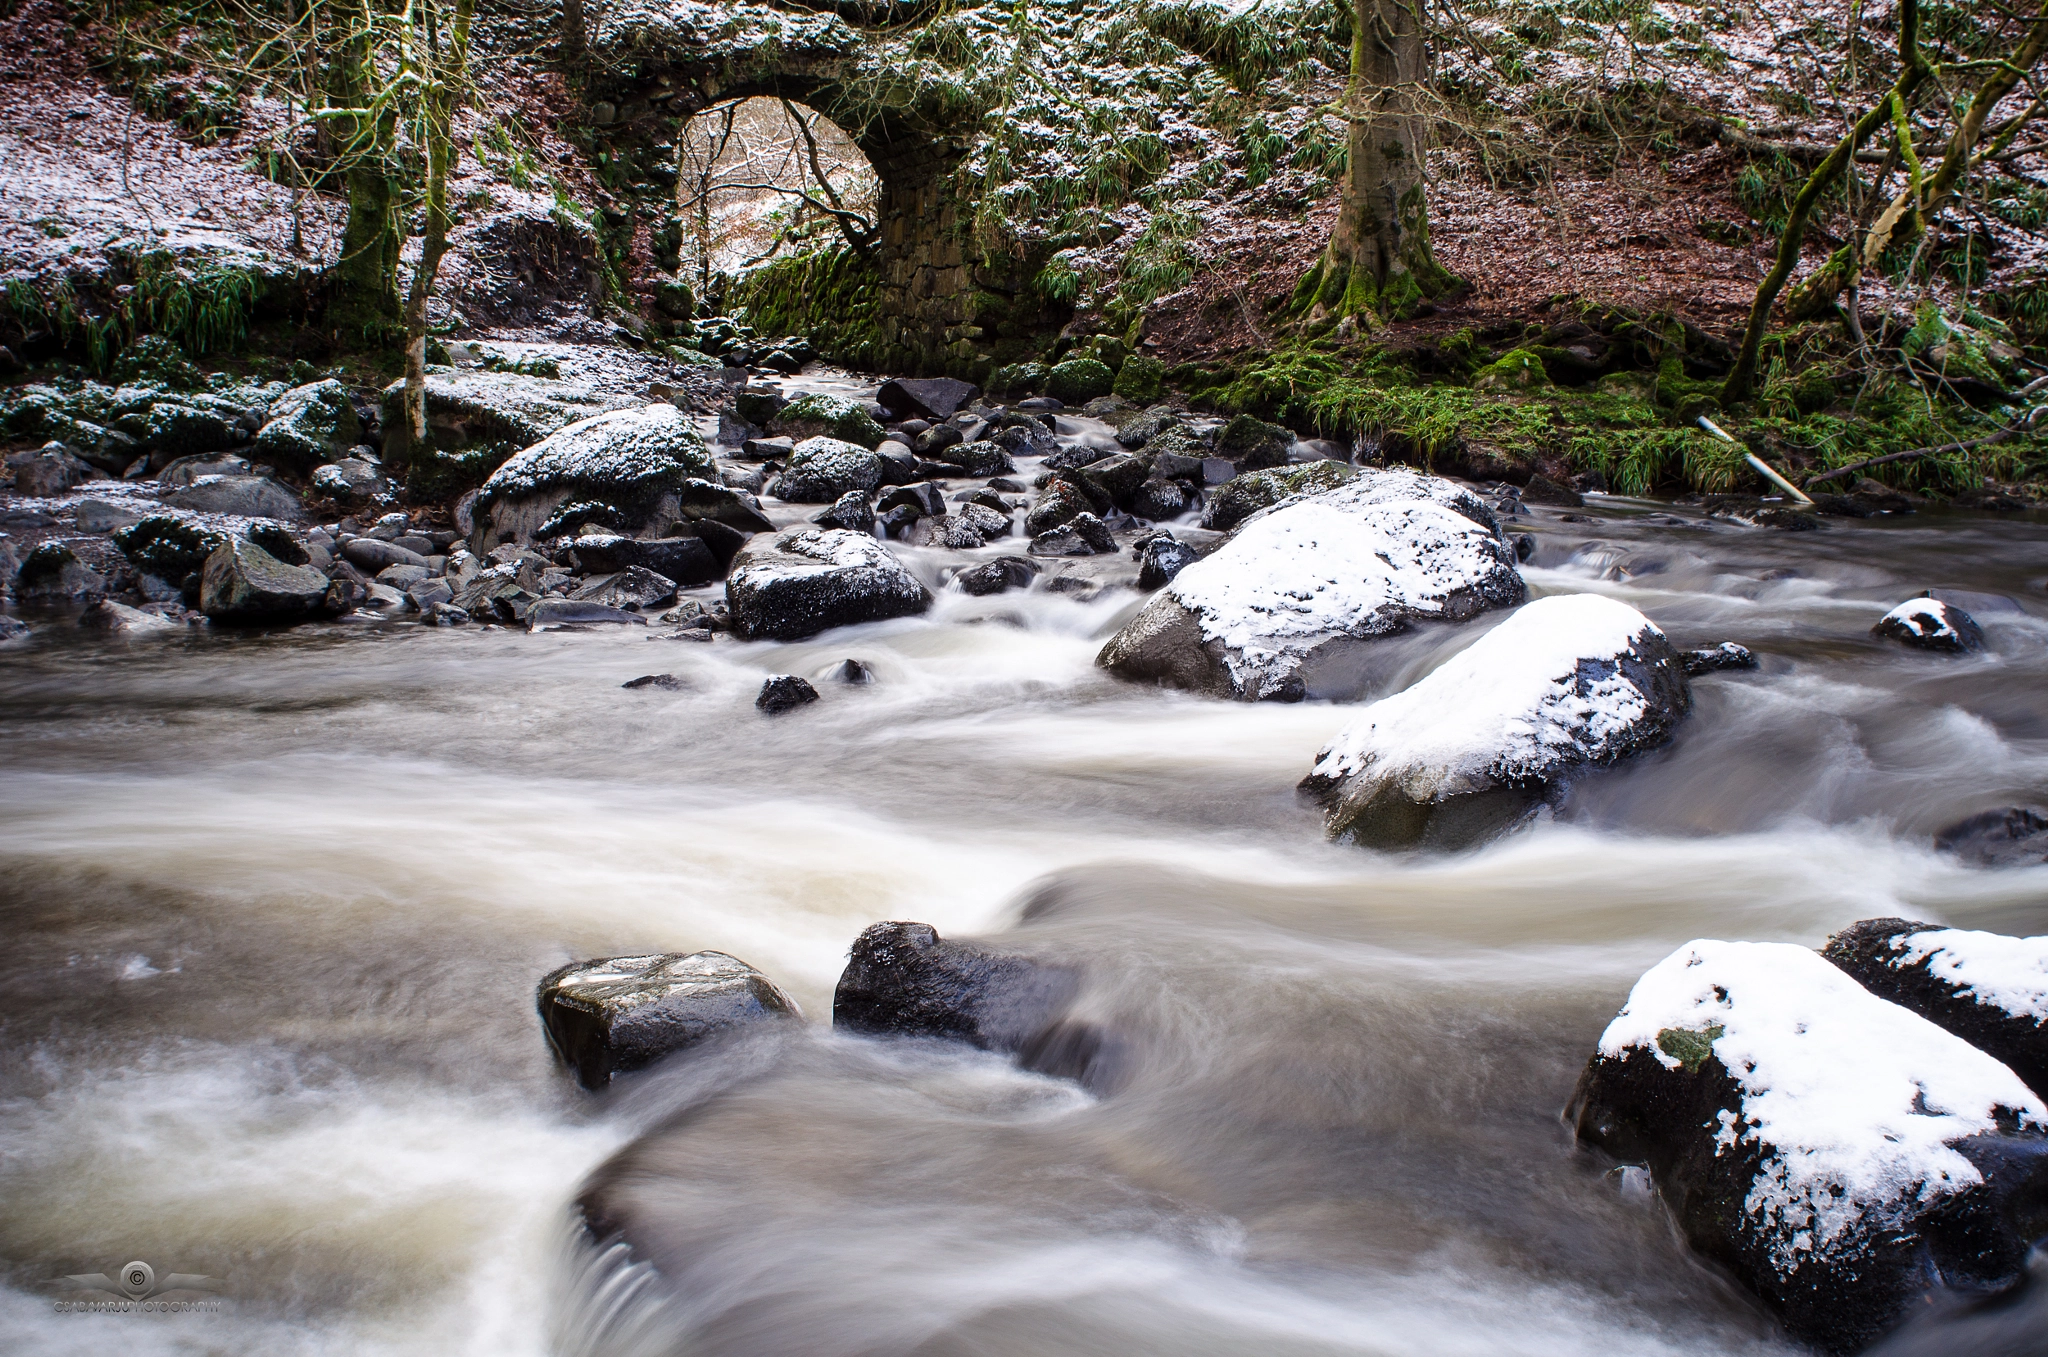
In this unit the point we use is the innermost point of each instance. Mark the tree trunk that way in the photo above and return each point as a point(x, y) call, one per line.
point(1378, 264)
point(440, 74)
point(365, 299)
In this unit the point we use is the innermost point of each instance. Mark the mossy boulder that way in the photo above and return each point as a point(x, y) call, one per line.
point(1141, 378)
point(1079, 380)
point(632, 460)
point(1016, 379)
point(1242, 496)
point(1252, 444)
point(476, 420)
point(821, 416)
point(1516, 370)
point(167, 547)
point(308, 427)
point(159, 361)
point(821, 470)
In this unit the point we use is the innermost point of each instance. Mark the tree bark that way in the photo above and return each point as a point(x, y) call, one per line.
point(1378, 264)
point(1913, 69)
point(441, 73)
point(365, 298)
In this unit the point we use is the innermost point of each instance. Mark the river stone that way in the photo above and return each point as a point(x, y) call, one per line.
point(246, 496)
point(2014, 837)
point(635, 589)
point(52, 573)
point(308, 426)
point(1078, 381)
point(630, 460)
point(243, 585)
point(701, 500)
point(1315, 574)
point(1838, 1154)
point(981, 458)
point(1930, 624)
point(821, 470)
point(685, 560)
point(374, 557)
point(101, 516)
point(1016, 439)
point(852, 511)
point(1252, 443)
point(1081, 535)
point(13, 629)
point(351, 480)
point(1568, 682)
point(546, 614)
point(167, 546)
point(610, 1016)
point(1713, 660)
point(1117, 477)
point(1987, 988)
point(186, 470)
point(1242, 496)
point(120, 620)
point(799, 583)
point(1161, 560)
point(821, 416)
point(51, 470)
point(1059, 501)
point(784, 692)
point(993, 577)
point(903, 979)
point(1162, 500)
point(931, 398)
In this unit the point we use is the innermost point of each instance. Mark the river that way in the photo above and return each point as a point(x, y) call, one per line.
point(276, 906)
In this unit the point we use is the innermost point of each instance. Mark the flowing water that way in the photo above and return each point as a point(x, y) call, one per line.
point(276, 905)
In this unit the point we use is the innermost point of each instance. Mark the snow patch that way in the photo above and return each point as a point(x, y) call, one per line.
point(654, 448)
point(1855, 1103)
point(2006, 973)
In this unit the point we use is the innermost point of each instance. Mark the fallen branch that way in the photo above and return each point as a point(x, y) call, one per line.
point(2002, 436)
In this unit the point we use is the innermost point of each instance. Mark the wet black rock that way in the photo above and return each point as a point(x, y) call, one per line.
point(1543, 490)
point(549, 613)
point(721, 539)
point(1945, 975)
point(903, 979)
point(1060, 501)
point(993, 577)
point(610, 1016)
point(1930, 624)
point(932, 398)
point(852, 511)
point(854, 672)
point(244, 585)
point(635, 589)
point(795, 584)
point(701, 500)
point(1081, 535)
point(984, 457)
point(1253, 444)
point(936, 440)
point(785, 692)
point(1714, 659)
point(1118, 477)
point(924, 497)
point(2014, 837)
point(1160, 559)
point(685, 560)
point(369, 554)
point(667, 681)
point(897, 522)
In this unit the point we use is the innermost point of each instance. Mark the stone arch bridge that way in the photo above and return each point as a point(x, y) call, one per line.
point(943, 306)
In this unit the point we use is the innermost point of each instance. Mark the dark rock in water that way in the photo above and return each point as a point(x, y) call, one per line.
point(13, 629)
point(1060, 501)
point(244, 585)
point(1989, 989)
point(767, 449)
point(1253, 444)
point(53, 574)
point(785, 692)
point(683, 560)
point(1836, 1153)
point(993, 577)
point(820, 470)
point(622, 1013)
point(1163, 558)
point(985, 457)
point(1713, 660)
point(367, 553)
point(699, 500)
point(722, 540)
point(548, 613)
point(932, 398)
point(1525, 547)
point(1050, 405)
point(118, 619)
point(937, 439)
point(1929, 624)
point(854, 672)
point(248, 496)
point(1160, 500)
point(852, 511)
point(1568, 682)
point(668, 681)
point(635, 589)
point(1543, 490)
point(1081, 535)
point(1118, 477)
point(444, 614)
point(897, 522)
point(1998, 838)
point(280, 542)
point(903, 979)
point(796, 584)
point(924, 497)
point(1243, 496)
point(758, 405)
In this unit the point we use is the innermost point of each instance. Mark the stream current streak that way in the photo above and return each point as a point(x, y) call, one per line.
point(276, 907)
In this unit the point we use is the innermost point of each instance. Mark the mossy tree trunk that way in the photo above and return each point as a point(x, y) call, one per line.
point(1378, 265)
point(438, 67)
point(364, 304)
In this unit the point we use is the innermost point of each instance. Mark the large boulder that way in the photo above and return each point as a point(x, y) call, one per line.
point(821, 416)
point(1930, 624)
point(1566, 683)
point(609, 1016)
point(1313, 575)
point(1836, 1153)
point(821, 470)
point(795, 584)
point(245, 496)
point(52, 573)
point(686, 560)
point(1242, 496)
point(476, 420)
point(244, 585)
point(308, 427)
point(931, 398)
point(167, 546)
point(1078, 381)
point(629, 460)
point(1987, 988)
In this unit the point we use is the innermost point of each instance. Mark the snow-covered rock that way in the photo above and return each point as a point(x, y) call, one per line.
point(309, 426)
point(631, 460)
point(1930, 624)
point(1566, 682)
point(1987, 988)
point(818, 415)
point(608, 1016)
point(821, 470)
point(1311, 576)
point(1837, 1153)
point(796, 584)
point(477, 419)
